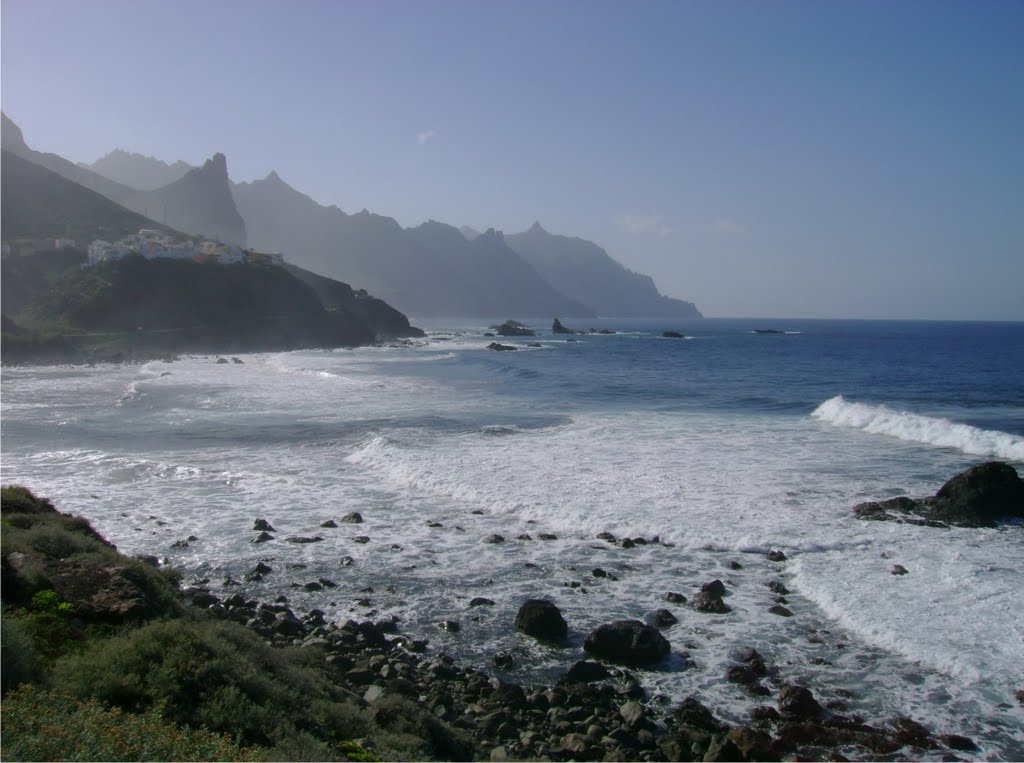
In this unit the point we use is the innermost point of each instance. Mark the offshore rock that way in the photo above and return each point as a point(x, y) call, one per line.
point(501, 347)
point(629, 642)
point(514, 328)
point(541, 619)
point(978, 497)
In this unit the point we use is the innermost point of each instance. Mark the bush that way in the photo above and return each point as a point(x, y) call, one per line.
point(40, 725)
point(215, 675)
point(20, 662)
point(15, 499)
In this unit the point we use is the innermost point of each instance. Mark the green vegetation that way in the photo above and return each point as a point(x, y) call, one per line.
point(139, 676)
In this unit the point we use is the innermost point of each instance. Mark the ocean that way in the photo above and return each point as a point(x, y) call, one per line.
point(724, 445)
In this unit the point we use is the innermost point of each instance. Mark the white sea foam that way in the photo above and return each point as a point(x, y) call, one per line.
point(912, 427)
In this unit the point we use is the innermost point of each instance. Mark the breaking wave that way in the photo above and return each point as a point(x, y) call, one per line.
point(912, 427)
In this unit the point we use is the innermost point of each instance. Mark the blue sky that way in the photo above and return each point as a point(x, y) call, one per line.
point(771, 159)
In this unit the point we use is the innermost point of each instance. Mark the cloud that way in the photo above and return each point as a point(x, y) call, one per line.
point(423, 137)
point(726, 228)
point(644, 224)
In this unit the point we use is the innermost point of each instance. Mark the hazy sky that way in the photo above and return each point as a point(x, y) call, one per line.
point(803, 159)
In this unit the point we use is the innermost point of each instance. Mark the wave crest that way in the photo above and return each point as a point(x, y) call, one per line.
point(912, 427)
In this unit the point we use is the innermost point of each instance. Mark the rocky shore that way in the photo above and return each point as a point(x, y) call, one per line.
point(598, 708)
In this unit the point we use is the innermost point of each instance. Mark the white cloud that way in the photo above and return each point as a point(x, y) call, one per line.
point(644, 224)
point(424, 136)
point(726, 228)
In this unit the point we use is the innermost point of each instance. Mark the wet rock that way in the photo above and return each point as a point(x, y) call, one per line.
point(501, 347)
point(777, 587)
point(503, 661)
point(798, 701)
point(714, 588)
point(180, 544)
point(346, 561)
point(605, 537)
point(662, 618)
point(958, 742)
point(262, 525)
point(722, 748)
point(222, 361)
point(674, 598)
point(547, 536)
point(353, 518)
point(907, 731)
point(628, 642)
point(898, 569)
point(303, 539)
point(481, 601)
point(781, 611)
point(692, 714)
point(263, 537)
point(513, 328)
point(585, 671)
point(775, 555)
point(672, 335)
point(329, 524)
point(707, 602)
point(541, 619)
point(313, 586)
point(452, 626)
point(524, 536)
point(361, 539)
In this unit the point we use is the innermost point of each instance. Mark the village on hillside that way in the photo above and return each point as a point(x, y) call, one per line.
point(152, 244)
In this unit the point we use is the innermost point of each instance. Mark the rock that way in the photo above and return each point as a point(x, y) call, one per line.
point(501, 347)
point(541, 619)
point(494, 538)
point(452, 626)
point(237, 361)
point(514, 328)
point(775, 555)
point(674, 598)
point(222, 361)
point(303, 539)
point(263, 537)
point(958, 742)
point(503, 661)
point(629, 642)
point(706, 602)
point(330, 524)
point(481, 601)
point(585, 671)
point(714, 588)
point(180, 544)
point(798, 701)
point(722, 749)
point(981, 495)
point(978, 497)
point(547, 536)
point(361, 539)
point(694, 715)
point(662, 618)
point(262, 525)
point(373, 694)
point(313, 586)
point(632, 713)
point(777, 587)
point(781, 611)
point(898, 569)
point(753, 744)
point(353, 518)
point(673, 335)
point(558, 328)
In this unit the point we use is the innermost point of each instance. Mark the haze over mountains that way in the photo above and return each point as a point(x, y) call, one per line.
point(431, 270)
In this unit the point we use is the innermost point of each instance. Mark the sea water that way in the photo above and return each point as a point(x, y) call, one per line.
point(723, 445)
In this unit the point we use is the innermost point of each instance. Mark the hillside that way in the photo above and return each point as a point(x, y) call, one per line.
point(199, 203)
point(430, 270)
point(586, 272)
point(37, 203)
point(136, 306)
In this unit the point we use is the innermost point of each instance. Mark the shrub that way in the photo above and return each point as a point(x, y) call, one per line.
point(16, 499)
point(215, 675)
point(41, 725)
point(20, 662)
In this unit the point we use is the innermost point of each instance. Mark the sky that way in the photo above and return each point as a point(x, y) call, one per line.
point(840, 159)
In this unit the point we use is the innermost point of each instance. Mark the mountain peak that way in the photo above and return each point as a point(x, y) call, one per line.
point(218, 162)
point(536, 228)
point(12, 138)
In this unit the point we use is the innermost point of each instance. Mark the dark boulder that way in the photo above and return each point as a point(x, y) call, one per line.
point(481, 601)
point(263, 537)
point(353, 518)
point(541, 619)
point(981, 495)
point(586, 671)
point(494, 538)
point(798, 701)
point(303, 539)
point(262, 525)
point(629, 642)
point(708, 602)
point(662, 618)
point(501, 347)
point(673, 335)
point(715, 588)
